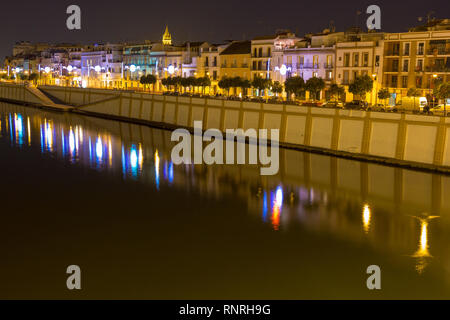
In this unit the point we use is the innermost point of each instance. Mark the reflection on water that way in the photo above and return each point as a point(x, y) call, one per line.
point(366, 218)
point(363, 203)
point(422, 254)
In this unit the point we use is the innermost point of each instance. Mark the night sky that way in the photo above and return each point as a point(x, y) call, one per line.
point(215, 21)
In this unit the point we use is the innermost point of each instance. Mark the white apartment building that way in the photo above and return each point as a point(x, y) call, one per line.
point(102, 65)
point(360, 54)
point(262, 49)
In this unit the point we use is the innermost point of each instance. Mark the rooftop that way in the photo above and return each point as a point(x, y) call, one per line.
point(238, 47)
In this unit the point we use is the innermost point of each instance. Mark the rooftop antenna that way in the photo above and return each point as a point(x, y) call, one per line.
point(429, 14)
point(332, 26)
point(358, 13)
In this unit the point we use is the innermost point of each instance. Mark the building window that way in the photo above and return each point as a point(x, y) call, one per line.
point(329, 75)
point(405, 66)
point(395, 65)
point(419, 66)
point(356, 59)
point(365, 59)
point(394, 81)
point(315, 61)
point(329, 61)
point(347, 60)
point(419, 82)
point(395, 49)
point(404, 82)
point(406, 49)
point(377, 61)
point(346, 77)
point(420, 49)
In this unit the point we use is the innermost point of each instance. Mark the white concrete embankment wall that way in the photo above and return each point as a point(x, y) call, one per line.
point(415, 140)
point(18, 92)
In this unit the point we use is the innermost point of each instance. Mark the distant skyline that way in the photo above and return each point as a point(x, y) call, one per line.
point(103, 21)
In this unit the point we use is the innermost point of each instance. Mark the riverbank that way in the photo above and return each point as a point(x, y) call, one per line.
point(412, 141)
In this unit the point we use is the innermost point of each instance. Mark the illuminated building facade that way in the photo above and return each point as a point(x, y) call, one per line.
point(208, 64)
point(416, 59)
point(262, 50)
point(360, 54)
point(101, 66)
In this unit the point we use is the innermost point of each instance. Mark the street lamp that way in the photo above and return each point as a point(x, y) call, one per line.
point(374, 77)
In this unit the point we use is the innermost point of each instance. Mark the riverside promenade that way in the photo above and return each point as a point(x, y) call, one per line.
point(407, 140)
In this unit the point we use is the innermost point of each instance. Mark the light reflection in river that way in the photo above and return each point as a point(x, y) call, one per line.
point(366, 218)
point(133, 159)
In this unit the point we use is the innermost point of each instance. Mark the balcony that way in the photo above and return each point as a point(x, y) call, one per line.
point(328, 66)
point(391, 69)
point(262, 68)
point(437, 68)
point(438, 52)
point(393, 53)
point(261, 55)
point(309, 66)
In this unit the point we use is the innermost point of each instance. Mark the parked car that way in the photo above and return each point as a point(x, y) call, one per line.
point(333, 104)
point(378, 107)
point(440, 110)
point(356, 105)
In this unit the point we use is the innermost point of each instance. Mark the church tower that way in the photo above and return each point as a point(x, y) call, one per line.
point(167, 38)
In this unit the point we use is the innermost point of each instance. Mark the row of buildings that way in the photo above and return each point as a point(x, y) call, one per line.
point(396, 61)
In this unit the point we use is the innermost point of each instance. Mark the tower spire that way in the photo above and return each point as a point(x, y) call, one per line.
point(167, 37)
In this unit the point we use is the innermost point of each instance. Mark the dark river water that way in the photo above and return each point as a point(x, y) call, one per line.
point(105, 196)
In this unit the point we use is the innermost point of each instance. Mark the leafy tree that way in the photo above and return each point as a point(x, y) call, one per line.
point(384, 94)
point(185, 83)
point(443, 92)
point(361, 85)
point(314, 85)
point(205, 82)
point(245, 85)
point(336, 91)
point(177, 82)
point(236, 82)
point(294, 85)
point(166, 82)
point(33, 77)
point(413, 92)
point(225, 83)
point(277, 88)
point(148, 80)
point(261, 83)
point(151, 80)
point(23, 76)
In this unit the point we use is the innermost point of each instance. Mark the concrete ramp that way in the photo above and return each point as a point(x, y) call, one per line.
point(46, 101)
